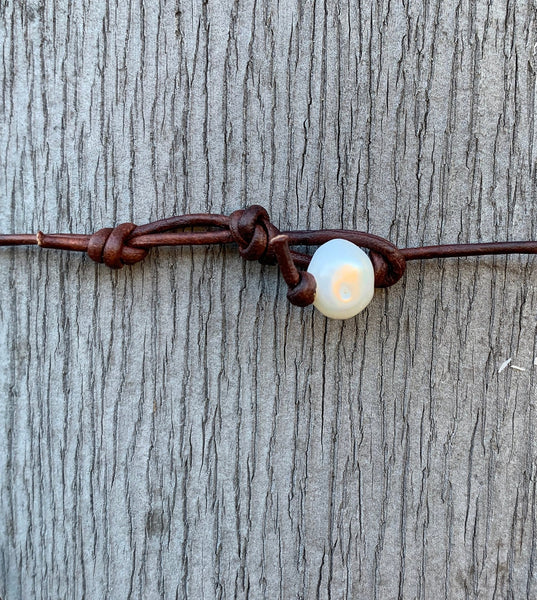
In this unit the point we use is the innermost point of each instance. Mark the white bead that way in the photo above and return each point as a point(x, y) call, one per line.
point(345, 279)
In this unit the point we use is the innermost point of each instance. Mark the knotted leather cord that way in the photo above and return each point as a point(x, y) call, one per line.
point(257, 239)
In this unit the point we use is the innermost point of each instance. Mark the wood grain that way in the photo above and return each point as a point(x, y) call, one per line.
point(176, 429)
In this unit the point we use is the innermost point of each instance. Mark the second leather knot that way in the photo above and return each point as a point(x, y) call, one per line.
point(252, 231)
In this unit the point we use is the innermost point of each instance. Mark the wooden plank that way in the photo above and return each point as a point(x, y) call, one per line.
point(176, 429)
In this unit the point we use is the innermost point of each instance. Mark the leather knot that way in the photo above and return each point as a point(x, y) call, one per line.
point(389, 266)
point(252, 231)
point(108, 246)
point(303, 293)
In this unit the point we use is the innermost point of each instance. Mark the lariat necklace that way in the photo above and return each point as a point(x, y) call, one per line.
point(339, 279)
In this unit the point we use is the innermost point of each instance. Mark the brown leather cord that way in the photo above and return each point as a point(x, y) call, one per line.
point(257, 239)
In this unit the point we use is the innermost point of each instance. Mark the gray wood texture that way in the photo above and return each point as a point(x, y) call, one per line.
point(176, 429)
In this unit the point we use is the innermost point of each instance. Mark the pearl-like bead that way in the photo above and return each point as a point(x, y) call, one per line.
point(345, 279)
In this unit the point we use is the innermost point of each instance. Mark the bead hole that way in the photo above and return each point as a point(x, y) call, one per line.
point(345, 293)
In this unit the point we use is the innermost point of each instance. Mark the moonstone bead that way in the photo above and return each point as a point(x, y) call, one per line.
point(345, 279)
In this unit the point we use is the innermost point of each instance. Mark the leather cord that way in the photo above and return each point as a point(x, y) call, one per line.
point(257, 239)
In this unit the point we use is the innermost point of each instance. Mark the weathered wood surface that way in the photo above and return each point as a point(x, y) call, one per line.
point(176, 429)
